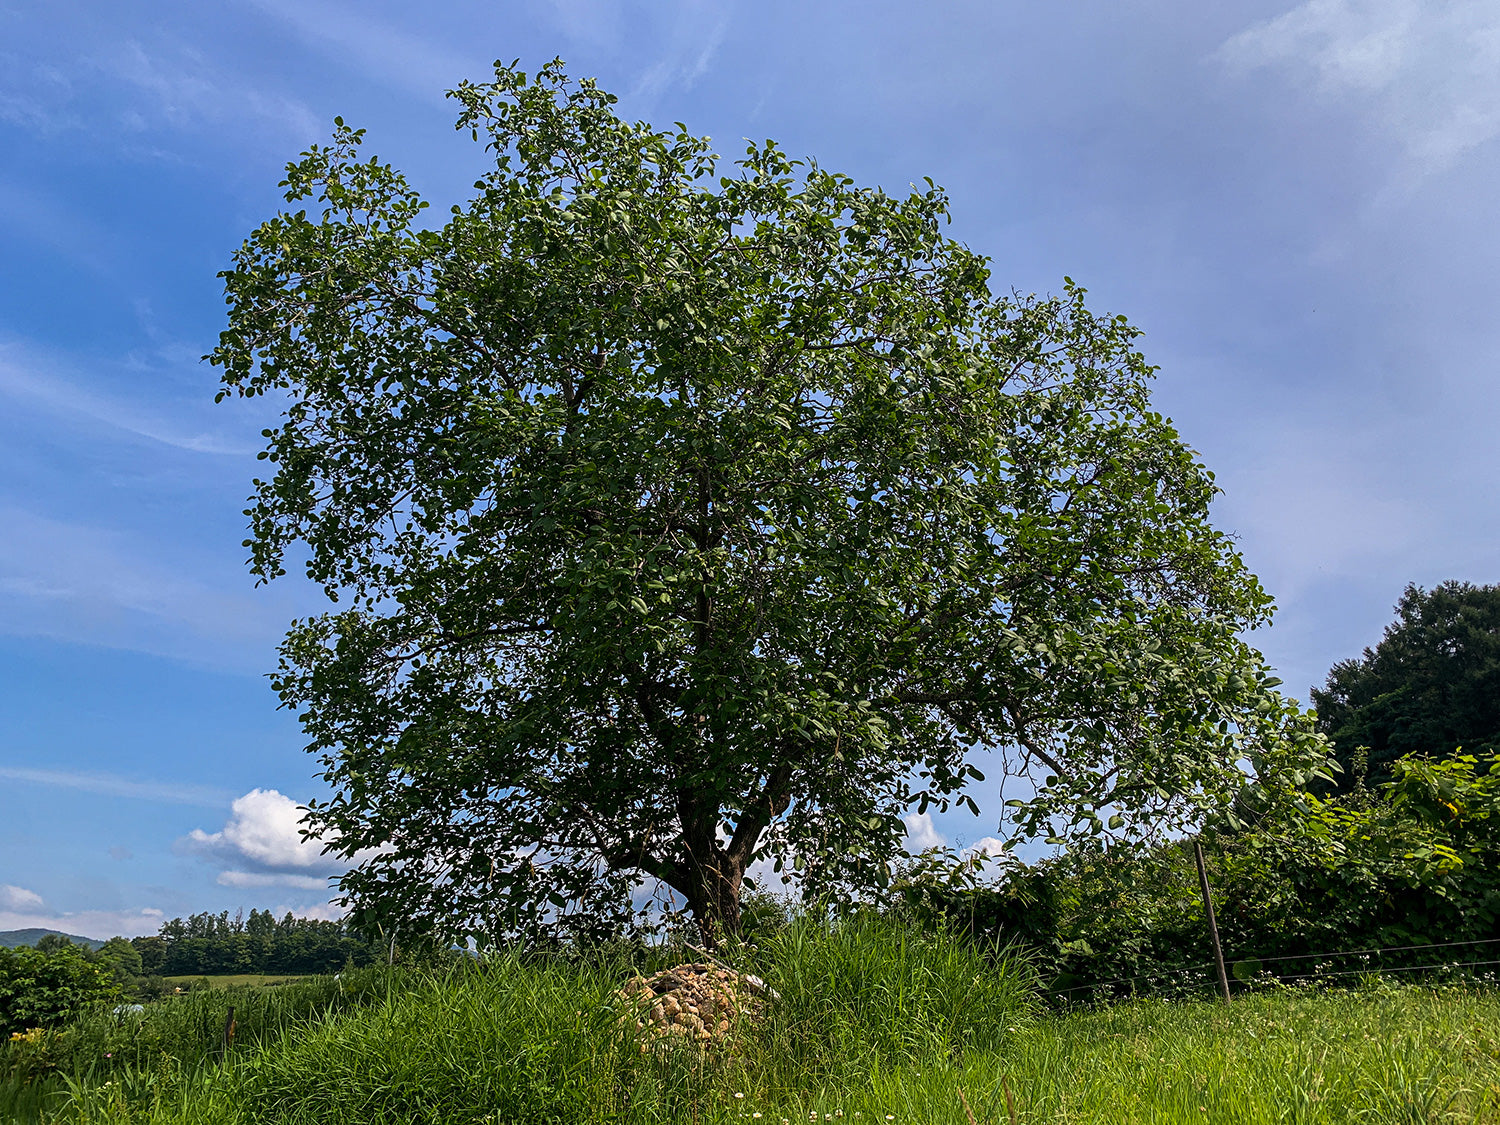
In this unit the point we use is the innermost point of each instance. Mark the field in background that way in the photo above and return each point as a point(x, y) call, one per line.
point(235, 980)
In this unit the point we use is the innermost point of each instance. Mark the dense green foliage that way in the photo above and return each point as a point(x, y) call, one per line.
point(211, 944)
point(1415, 864)
point(42, 987)
point(1431, 686)
point(686, 515)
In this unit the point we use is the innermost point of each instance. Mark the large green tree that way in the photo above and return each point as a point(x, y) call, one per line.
point(1430, 686)
point(686, 515)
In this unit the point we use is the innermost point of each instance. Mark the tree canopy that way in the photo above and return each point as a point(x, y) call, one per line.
point(1430, 686)
point(683, 515)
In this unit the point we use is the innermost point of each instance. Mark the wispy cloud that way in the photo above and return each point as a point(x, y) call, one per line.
point(1428, 72)
point(597, 23)
point(137, 86)
point(81, 583)
point(184, 89)
point(41, 218)
point(108, 785)
point(693, 33)
point(18, 898)
point(388, 54)
point(24, 378)
point(39, 106)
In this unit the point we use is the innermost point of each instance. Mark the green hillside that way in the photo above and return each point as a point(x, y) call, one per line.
point(12, 939)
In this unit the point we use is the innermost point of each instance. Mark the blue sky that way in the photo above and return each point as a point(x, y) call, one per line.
point(1295, 200)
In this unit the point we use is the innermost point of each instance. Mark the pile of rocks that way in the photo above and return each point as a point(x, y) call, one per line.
point(698, 1002)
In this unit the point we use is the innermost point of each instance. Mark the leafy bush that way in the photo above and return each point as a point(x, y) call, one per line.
point(1416, 864)
point(41, 988)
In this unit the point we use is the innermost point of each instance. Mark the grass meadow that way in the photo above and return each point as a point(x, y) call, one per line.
point(236, 980)
point(876, 1024)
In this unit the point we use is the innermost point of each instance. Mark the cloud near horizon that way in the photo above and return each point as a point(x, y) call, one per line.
point(96, 924)
point(262, 845)
point(18, 898)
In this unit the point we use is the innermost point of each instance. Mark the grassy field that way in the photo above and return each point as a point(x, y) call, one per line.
point(875, 1025)
point(235, 980)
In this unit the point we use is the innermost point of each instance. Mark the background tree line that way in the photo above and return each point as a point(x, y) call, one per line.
point(41, 985)
point(210, 944)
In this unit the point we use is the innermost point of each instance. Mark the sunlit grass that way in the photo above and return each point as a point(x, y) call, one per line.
point(876, 1025)
point(238, 980)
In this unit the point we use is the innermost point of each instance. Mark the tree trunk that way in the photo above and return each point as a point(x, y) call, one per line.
point(713, 896)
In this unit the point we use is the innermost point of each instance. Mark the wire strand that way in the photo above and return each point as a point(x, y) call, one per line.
point(1302, 957)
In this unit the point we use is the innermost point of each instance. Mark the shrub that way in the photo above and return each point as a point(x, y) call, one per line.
point(1416, 864)
point(42, 988)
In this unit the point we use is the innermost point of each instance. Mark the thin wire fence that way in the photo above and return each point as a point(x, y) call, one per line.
point(1153, 980)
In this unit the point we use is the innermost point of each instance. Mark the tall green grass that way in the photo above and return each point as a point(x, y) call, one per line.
point(1400, 1056)
point(548, 1040)
point(876, 1024)
point(872, 993)
point(157, 1051)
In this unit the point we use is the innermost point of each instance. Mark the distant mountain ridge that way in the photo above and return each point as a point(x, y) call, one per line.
point(10, 939)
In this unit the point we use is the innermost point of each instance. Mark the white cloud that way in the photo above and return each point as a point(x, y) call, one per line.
point(1428, 71)
point(261, 845)
point(18, 898)
point(324, 912)
point(920, 833)
point(271, 879)
point(264, 828)
point(97, 924)
point(111, 786)
point(987, 846)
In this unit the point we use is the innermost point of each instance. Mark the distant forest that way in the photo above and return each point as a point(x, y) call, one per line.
point(210, 944)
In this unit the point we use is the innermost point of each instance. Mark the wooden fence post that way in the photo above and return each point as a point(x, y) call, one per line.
point(228, 1030)
point(1213, 926)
